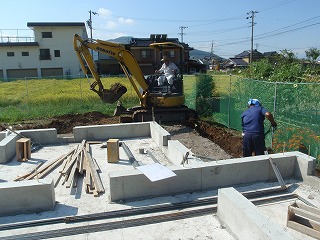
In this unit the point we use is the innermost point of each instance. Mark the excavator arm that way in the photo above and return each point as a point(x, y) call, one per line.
point(126, 60)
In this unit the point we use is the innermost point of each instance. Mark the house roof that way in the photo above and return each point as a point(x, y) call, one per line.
point(55, 24)
point(236, 62)
point(22, 44)
point(247, 53)
point(268, 54)
point(145, 42)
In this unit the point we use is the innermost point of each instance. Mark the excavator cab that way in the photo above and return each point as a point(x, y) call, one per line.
point(165, 87)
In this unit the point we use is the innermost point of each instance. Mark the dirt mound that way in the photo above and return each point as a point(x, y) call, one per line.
point(226, 139)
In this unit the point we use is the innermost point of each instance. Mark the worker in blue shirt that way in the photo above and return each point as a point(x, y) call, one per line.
point(253, 128)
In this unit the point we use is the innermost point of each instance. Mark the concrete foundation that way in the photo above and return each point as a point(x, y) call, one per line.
point(26, 196)
point(104, 132)
point(212, 175)
point(192, 176)
point(245, 220)
point(37, 136)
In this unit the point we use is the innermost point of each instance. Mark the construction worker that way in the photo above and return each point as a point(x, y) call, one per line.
point(253, 128)
point(169, 69)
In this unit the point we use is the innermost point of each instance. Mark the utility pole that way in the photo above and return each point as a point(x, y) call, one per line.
point(252, 24)
point(211, 56)
point(181, 33)
point(89, 23)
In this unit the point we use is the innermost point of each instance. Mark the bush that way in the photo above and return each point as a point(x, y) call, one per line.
point(205, 86)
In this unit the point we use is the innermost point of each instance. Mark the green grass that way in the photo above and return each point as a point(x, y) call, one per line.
point(223, 83)
point(44, 98)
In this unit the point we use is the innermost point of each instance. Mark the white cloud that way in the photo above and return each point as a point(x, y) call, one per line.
point(107, 36)
point(111, 25)
point(127, 21)
point(105, 13)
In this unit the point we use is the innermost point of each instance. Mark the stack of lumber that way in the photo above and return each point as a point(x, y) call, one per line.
point(77, 162)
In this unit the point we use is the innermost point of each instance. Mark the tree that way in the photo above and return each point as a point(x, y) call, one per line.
point(312, 55)
point(287, 56)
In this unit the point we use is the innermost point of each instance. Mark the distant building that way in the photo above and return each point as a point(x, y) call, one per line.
point(242, 60)
point(245, 55)
point(51, 54)
point(232, 63)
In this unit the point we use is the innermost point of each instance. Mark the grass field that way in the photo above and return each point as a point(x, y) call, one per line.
point(40, 98)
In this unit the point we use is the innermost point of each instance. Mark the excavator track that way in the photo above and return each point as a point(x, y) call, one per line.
point(174, 114)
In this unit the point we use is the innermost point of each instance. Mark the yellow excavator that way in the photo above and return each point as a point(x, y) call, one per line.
point(160, 103)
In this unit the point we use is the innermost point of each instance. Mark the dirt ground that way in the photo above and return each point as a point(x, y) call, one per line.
point(203, 138)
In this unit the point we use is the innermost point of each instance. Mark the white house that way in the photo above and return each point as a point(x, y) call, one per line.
point(51, 54)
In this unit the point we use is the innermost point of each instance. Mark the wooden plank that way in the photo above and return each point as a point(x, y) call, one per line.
point(95, 176)
point(71, 162)
point(49, 169)
point(65, 163)
point(71, 175)
point(308, 208)
point(303, 229)
point(81, 162)
point(19, 178)
point(94, 142)
point(44, 168)
point(304, 213)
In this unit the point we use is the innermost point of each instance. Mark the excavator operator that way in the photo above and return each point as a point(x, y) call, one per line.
point(169, 69)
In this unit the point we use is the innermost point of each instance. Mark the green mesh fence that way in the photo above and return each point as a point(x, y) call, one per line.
point(295, 106)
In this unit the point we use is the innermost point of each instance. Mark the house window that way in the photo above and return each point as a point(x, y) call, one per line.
point(46, 34)
point(145, 54)
point(57, 53)
point(170, 54)
point(44, 54)
point(25, 54)
point(10, 54)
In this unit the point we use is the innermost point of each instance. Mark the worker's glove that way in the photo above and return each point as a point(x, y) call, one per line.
point(274, 126)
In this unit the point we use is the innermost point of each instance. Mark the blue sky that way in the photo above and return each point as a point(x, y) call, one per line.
point(220, 26)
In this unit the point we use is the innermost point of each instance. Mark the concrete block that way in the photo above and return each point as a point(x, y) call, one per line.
point(159, 135)
point(104, 132)
point(245, 220)
point(42, 136)
point(8, 148)
point(134, 184)
point(305, 166)
point(26, 196)
point(176, 151)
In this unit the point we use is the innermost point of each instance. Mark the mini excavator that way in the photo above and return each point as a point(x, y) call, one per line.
point(159, 103)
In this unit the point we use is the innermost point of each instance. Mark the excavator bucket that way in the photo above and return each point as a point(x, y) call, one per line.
point(113, 94)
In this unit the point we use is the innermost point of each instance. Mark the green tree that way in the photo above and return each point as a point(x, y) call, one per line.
point(312, 55)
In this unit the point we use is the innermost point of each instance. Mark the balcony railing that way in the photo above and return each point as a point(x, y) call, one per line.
point(16, 35)
point(45, 57)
